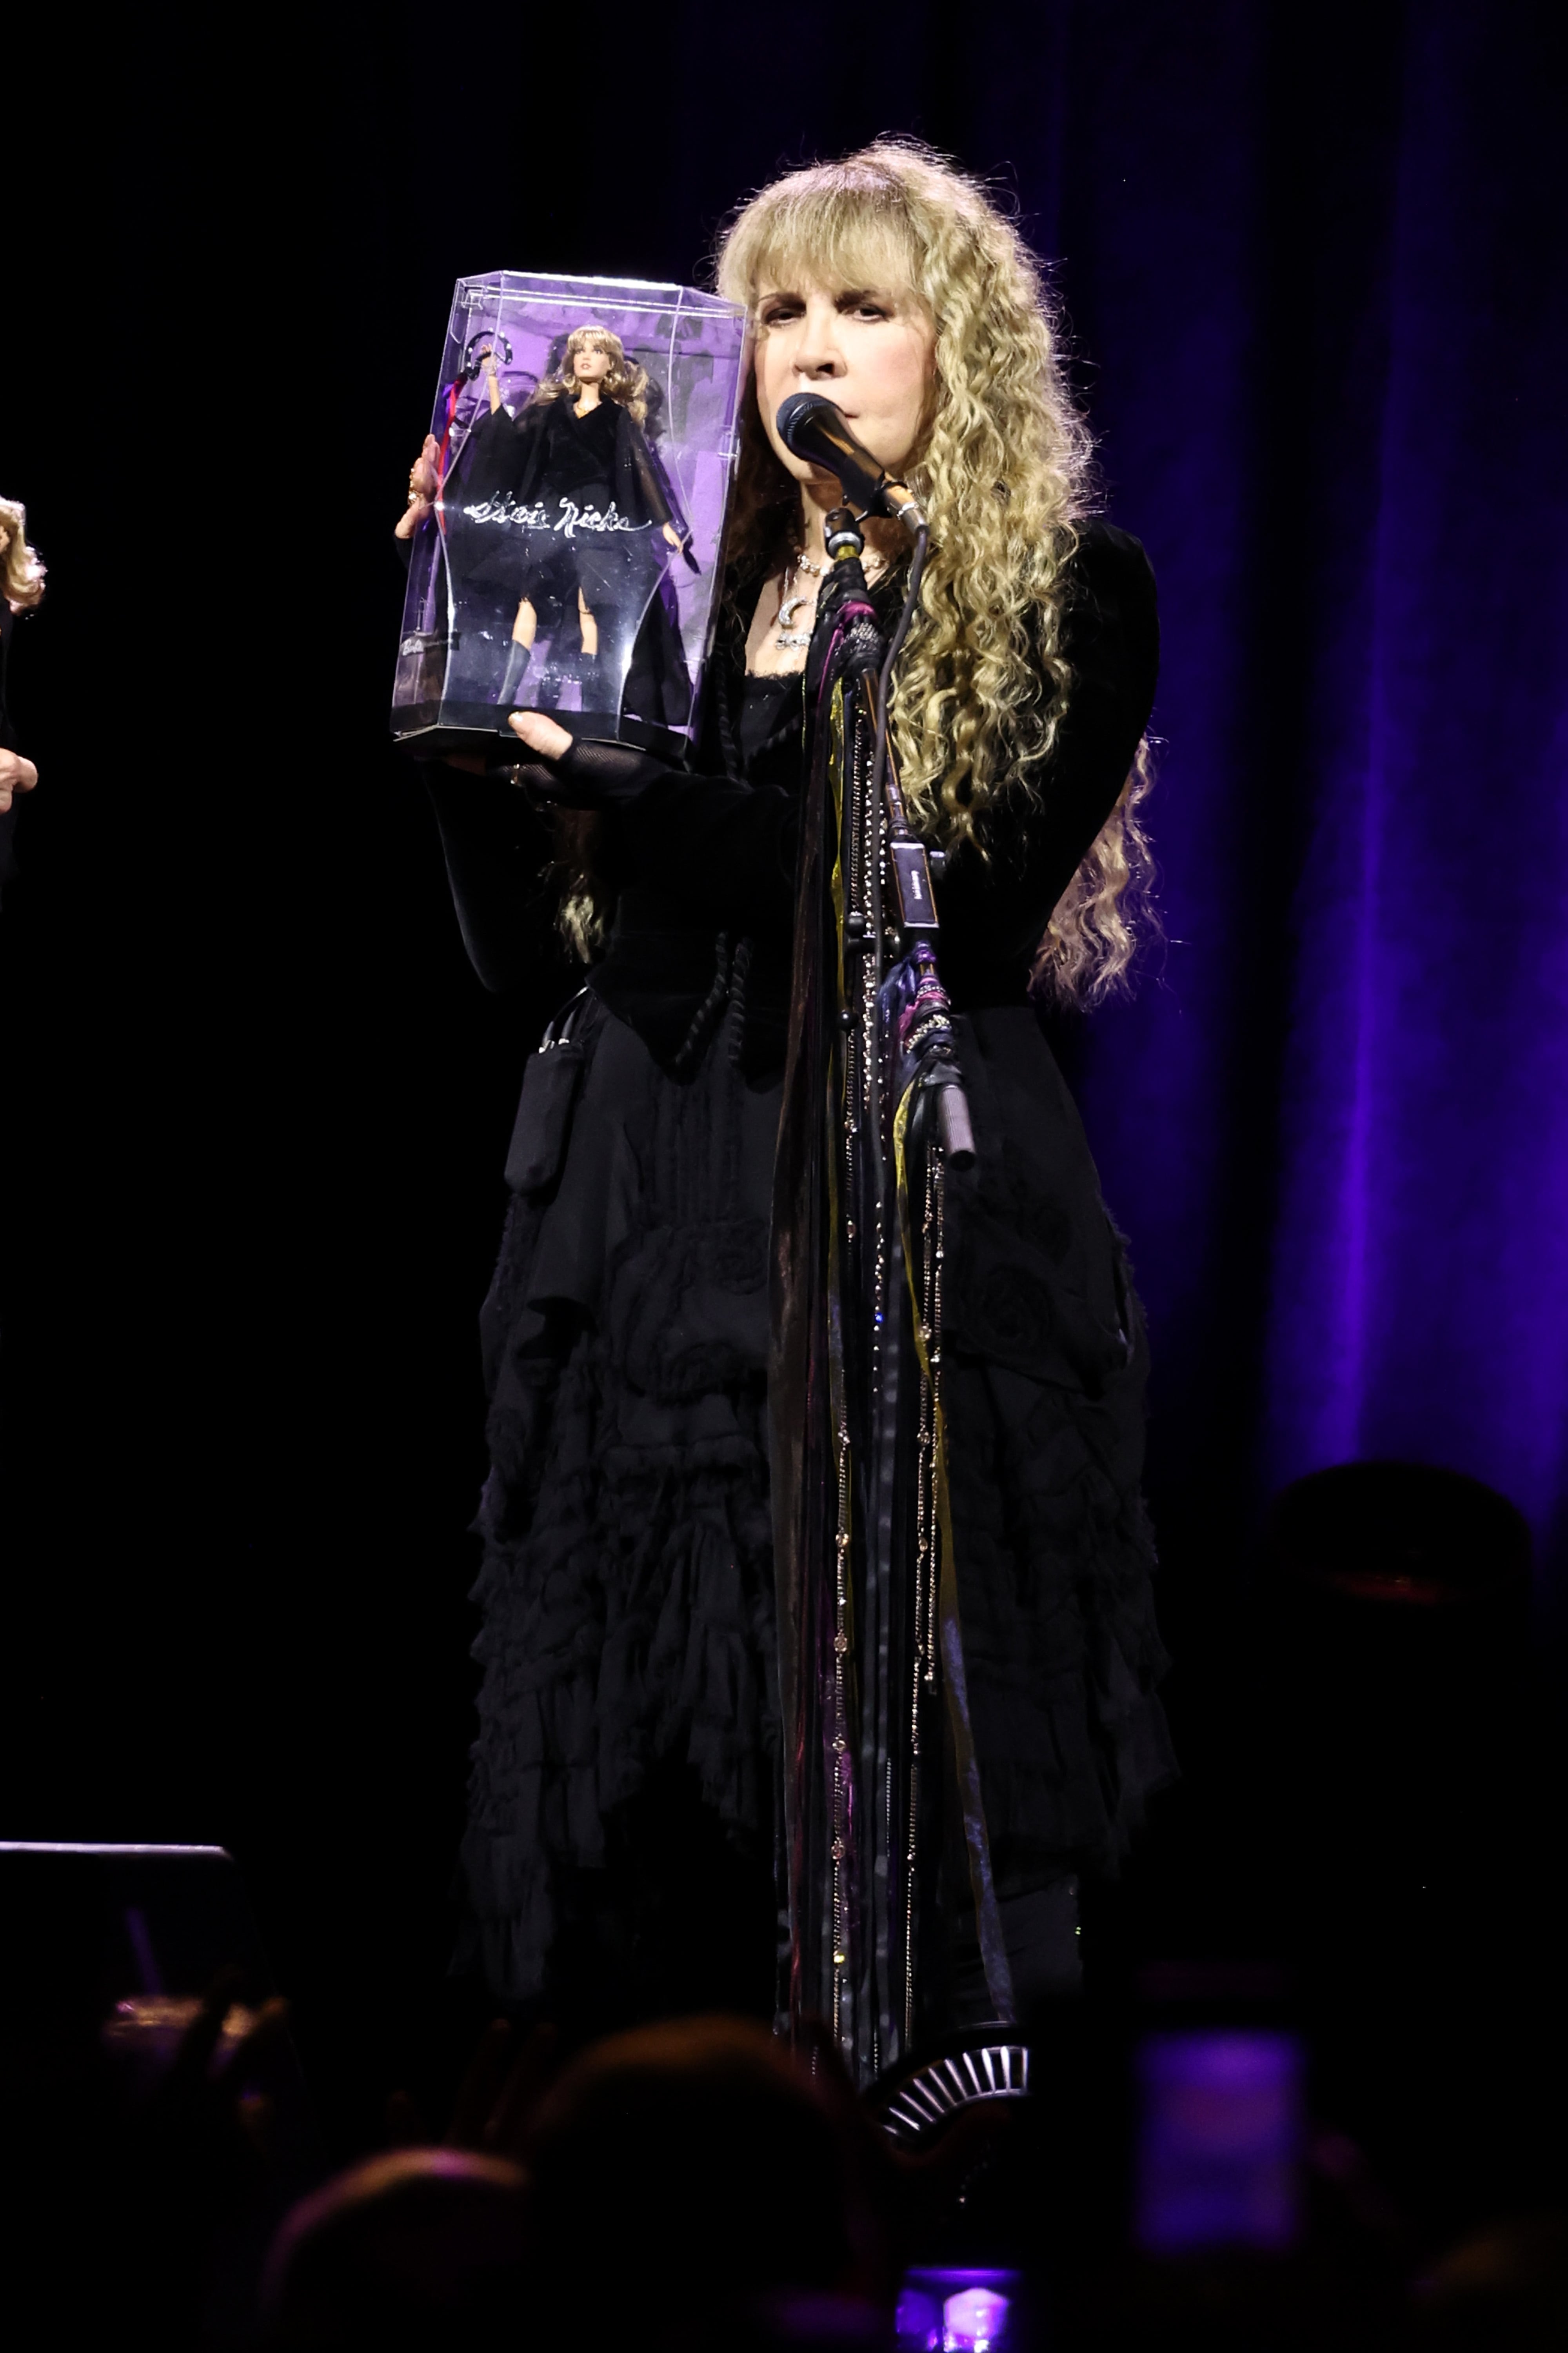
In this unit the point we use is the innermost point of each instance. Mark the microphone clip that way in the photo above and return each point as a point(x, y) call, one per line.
point(841, 533)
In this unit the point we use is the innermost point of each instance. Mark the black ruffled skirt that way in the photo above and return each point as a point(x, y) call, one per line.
point(626, 1587)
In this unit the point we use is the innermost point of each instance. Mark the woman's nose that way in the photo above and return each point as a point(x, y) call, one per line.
point(817, 355)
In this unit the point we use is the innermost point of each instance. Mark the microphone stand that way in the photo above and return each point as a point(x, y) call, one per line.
point(874, 1120)
point(913, 866)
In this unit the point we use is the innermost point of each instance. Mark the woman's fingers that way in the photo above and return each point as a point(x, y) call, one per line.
point(538, 779)
point(16, 776)
point(424, 481)
point(540, 734)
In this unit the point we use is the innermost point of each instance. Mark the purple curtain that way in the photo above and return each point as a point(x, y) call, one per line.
point(1315, 260)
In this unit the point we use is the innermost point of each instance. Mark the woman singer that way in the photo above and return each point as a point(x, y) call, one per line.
point(624, 1792)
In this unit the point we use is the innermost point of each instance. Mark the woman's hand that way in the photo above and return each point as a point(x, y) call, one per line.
point(569, 772)
point(19, 776)
point(422, 488)
point(543, 738)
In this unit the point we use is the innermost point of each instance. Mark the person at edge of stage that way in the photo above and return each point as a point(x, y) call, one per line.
point(21, 586)
point(620, 1848)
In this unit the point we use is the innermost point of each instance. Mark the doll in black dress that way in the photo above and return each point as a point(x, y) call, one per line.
point(626, 1789)
point(590, 522)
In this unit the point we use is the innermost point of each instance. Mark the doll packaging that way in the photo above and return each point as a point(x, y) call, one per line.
point(565, 550)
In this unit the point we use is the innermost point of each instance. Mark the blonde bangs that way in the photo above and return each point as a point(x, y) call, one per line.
point(828, 226)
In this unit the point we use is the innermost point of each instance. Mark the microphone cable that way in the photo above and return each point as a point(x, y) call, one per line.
point(885, 680)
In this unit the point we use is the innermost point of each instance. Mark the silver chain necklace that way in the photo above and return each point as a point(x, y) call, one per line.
point(790, 641)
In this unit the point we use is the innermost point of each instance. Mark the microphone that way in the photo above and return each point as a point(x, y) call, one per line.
point(814, 427)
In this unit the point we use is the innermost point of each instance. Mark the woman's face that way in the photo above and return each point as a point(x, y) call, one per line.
point(871, 351)
point(591, 362)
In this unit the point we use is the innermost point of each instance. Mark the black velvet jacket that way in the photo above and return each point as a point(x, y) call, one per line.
point(547, 447)
point(712, 850)
point(540, 454)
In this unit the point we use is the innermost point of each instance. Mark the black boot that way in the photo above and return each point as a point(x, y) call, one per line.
point(516, 661)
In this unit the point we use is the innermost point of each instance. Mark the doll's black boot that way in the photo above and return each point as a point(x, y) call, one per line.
point(516, 661)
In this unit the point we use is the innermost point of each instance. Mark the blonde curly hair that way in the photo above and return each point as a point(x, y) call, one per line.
point(1004, 470)
point(21, 568)
point(626, 382)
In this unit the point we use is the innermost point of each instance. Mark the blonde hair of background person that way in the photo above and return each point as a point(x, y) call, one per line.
point(1003, 469)
point(22, 586)
point(23, 567)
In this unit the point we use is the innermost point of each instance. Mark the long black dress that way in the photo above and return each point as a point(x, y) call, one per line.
point(627, 1710)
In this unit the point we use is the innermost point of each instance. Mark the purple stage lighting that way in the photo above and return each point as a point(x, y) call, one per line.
point(956, 2311)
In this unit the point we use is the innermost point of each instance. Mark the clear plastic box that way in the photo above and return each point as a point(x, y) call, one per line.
point(586, 441)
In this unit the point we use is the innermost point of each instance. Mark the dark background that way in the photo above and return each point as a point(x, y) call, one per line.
point(255, 1104)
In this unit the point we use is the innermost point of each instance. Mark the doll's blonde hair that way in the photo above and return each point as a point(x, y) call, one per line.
point(23, 568)
point(626, 383)
point(1004, 471)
